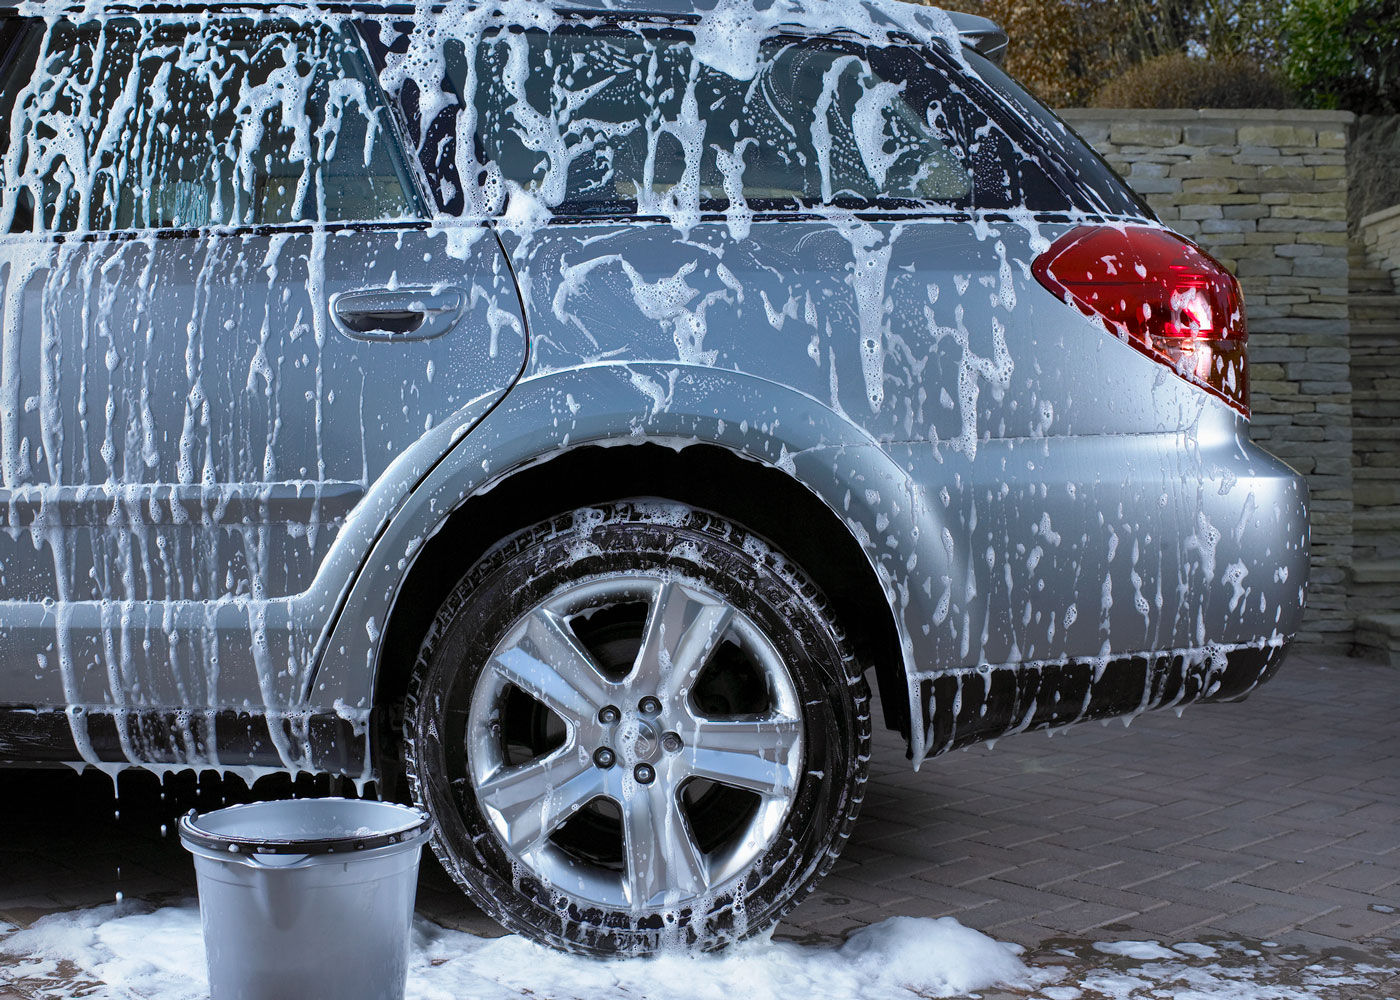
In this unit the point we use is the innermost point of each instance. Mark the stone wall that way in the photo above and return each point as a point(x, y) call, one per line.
point(1375, 367)
point(1266, 193)
point(1380, 234)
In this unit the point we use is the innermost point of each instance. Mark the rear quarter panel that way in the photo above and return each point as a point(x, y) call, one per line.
point(1069, 499)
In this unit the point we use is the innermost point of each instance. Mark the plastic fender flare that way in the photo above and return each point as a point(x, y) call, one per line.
point(616, 403)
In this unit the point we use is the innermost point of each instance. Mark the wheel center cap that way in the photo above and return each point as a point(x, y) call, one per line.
point(639, 740)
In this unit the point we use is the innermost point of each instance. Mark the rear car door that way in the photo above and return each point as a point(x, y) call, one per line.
point(225, 314)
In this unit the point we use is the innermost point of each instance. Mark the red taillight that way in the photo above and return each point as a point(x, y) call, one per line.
point(1165, 296)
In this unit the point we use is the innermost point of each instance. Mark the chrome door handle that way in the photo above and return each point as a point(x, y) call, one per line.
point(398, 313)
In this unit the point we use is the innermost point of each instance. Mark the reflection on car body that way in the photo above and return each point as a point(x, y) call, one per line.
point(573, 409)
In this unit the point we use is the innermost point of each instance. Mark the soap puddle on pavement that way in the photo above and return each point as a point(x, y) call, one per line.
point(1217, 969)
point(132, 951)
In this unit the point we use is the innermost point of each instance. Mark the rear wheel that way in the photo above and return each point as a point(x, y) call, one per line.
point(637, 725)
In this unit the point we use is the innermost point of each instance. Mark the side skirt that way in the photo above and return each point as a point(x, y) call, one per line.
point(166, 739)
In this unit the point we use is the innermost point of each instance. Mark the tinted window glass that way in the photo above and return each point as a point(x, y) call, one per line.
point(594, 119)
point(1090, 182)
point(611, 118)
point(140, 124)
point(616, 119)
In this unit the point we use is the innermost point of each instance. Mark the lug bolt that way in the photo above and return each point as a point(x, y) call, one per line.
point(644, 774)
point(649, 705)
point(609, 715)
point(670, 742)
point(604, 757)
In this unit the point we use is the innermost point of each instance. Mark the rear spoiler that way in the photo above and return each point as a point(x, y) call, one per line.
point(981, 35)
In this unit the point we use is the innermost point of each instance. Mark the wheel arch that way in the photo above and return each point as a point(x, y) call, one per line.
point(803, 476)
point(764, 499)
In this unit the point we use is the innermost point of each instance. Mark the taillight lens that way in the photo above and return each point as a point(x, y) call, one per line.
point(1162, 294)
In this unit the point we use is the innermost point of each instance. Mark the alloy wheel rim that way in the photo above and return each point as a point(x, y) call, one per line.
point(645, 745)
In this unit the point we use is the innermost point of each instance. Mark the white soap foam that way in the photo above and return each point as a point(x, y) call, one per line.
point(159, 955)
point(1143, 951)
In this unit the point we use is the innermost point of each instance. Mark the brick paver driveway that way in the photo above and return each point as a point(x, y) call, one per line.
point(1278, 817)
point(1276, 820)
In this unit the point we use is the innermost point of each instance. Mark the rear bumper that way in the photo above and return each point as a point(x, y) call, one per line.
point(966, 706)
point(1089, 576)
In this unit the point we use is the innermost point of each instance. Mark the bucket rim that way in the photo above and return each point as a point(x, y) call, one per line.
point(418, 826)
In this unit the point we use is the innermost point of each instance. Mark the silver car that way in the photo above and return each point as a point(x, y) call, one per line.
point(585, 412)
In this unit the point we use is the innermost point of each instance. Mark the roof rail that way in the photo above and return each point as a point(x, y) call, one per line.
point(981, 34)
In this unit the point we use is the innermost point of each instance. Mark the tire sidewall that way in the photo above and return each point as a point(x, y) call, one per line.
point(690, 546)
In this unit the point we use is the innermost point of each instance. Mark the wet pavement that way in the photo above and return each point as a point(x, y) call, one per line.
point(1266, 833)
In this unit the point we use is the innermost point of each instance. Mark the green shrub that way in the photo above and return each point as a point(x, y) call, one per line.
point(1345, 54)
point(1177, 80)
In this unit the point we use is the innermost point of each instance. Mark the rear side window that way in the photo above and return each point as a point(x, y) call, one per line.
point(1091, 183)
point(143, 124)
point(612, 118)
point(588, 121)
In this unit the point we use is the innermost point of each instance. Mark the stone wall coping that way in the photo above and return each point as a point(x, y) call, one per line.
point(1288, 116)
point(1384, 215)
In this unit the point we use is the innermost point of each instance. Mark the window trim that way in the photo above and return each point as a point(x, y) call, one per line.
point(410, 171)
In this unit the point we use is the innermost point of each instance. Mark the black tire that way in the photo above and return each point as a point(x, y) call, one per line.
point(699, 549)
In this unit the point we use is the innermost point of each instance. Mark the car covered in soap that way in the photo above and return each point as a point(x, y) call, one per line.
point(566, 417)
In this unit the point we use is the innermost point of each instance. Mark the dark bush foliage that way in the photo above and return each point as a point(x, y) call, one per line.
point(1345, 54)
point(1177, 80)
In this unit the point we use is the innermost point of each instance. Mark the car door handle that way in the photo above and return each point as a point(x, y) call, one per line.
point(398, 313)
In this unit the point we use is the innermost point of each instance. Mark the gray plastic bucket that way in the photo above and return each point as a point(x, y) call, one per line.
point(307, 898)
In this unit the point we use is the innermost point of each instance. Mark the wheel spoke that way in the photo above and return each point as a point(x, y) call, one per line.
point(548, 663)
point(682, 630)
point(530, 801)
point(760, 737)
point(753, 754)
point(662, 857)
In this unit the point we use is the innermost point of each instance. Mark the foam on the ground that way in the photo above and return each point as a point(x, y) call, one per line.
point(159, 955)
point(128, 952)
point(1141, 950)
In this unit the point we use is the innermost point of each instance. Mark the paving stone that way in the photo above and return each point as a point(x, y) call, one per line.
point(952, 896)
point(1351, 922)
point(1234, 838)
point(1125, 899)
point(1304, 841)
point(1365, 876)
point(1031, 900)
point(822, 906)
point(829, 930)
point(891, 867)
point(1288, 877)
point(1042, 874)
point(1175, 919)
point(1382, 841)
point(1081, 918)
point(1267, 921)
point(1122, 876)
point(1089, 837)
point(856, 891)
point(1028, 934)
